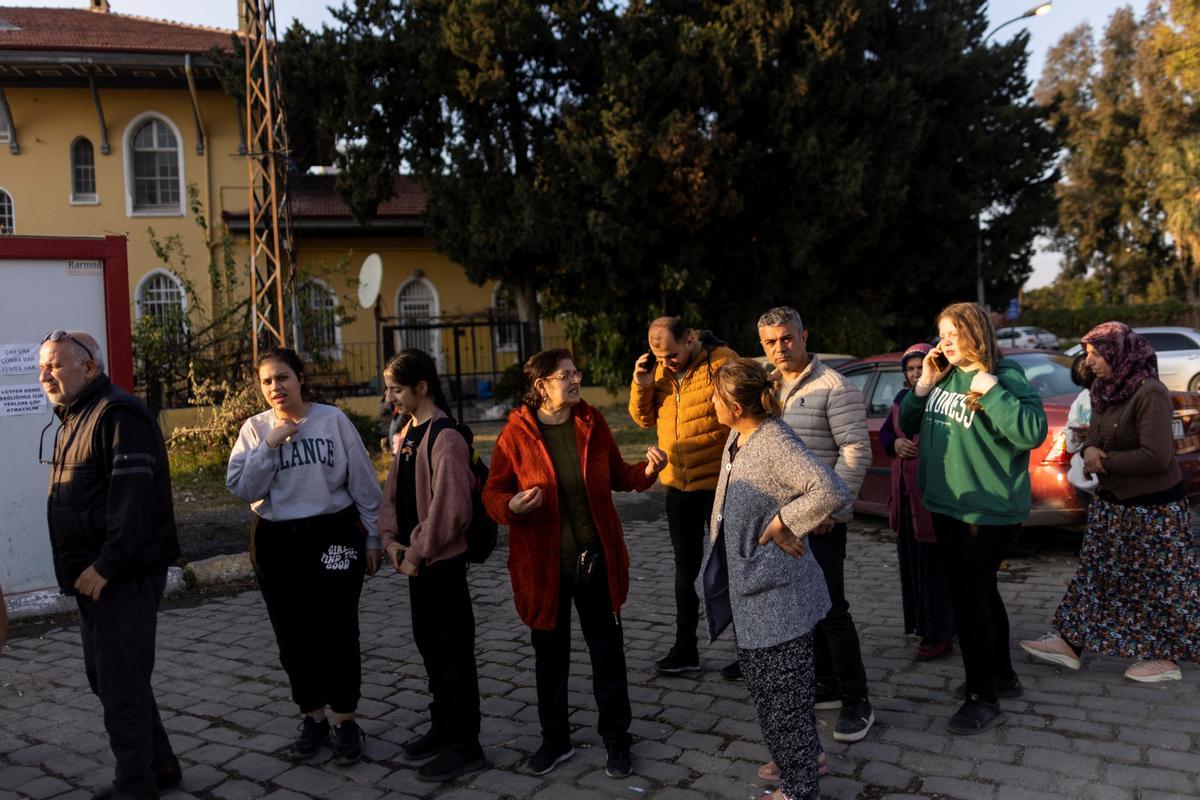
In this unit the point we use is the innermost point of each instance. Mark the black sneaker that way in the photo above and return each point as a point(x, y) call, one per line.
point(426, 745)
point(313, 734)
point(975, 716)
point(854, 722)
point(347, 743)
point(1004, 688)
point(678, 661)
point(732, 672)
point(827, 697)
point(547, 757)
point(167, 775)
point(620, 762)
point(450, 764)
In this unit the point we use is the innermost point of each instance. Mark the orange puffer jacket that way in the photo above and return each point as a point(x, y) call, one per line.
point(682, 408)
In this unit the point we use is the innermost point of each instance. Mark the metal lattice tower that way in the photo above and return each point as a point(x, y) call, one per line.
point(272, 259)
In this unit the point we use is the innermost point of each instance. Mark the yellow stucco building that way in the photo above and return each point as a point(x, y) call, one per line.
point(115, 124)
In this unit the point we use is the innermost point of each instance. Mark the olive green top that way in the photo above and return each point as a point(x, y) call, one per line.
point(576, 530)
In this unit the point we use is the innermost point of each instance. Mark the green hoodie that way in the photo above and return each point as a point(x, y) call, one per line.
point(975, 464)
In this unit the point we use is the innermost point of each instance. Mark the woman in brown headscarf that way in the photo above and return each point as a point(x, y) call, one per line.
point(1136, 593)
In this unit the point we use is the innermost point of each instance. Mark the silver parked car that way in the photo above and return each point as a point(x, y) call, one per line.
point(1178, 351)
point(1025, 336)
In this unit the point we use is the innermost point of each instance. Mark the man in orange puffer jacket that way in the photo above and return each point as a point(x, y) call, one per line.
point(672, 389)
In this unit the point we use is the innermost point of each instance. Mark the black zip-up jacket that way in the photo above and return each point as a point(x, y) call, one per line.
point(110, 489)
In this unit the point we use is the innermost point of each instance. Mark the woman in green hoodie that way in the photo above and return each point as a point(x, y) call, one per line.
point(978, 418)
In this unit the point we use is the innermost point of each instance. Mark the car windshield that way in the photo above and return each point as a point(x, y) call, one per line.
point(1048, 373)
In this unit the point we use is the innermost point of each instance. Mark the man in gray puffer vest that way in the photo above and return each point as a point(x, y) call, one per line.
point(829, 415)
point(112, 532)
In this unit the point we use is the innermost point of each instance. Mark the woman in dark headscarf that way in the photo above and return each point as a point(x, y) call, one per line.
point(923, 583)
point(1136, 593)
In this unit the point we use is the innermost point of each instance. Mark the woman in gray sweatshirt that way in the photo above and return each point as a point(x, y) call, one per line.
point(759, 574)
point(305, 472)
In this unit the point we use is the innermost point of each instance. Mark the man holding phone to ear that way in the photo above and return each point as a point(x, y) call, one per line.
point(672, 389)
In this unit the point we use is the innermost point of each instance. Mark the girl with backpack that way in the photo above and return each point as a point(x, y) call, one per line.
point(423, 522)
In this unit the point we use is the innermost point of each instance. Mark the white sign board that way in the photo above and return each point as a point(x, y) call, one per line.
point(35, 297)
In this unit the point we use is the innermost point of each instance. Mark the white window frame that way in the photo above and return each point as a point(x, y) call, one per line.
point(83, 199)
point(127, 147)
point(335, 350)
point(12, 204)
point(435, 310)
point(139, 312)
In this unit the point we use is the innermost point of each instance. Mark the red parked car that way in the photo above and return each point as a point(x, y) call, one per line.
point(1054, 499)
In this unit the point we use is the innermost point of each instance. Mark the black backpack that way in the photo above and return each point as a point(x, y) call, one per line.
point(482, 532)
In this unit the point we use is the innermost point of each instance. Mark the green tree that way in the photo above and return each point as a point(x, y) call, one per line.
point(1110, 219)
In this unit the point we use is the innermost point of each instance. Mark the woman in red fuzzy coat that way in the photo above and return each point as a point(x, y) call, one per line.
point(553, 472)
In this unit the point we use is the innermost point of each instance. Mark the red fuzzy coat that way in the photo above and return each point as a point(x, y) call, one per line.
point(521, 461)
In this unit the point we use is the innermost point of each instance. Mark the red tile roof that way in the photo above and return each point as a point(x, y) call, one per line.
point(314, 197)
point(76, 29)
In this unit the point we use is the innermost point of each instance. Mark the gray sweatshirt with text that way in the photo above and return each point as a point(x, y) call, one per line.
point(323, 469)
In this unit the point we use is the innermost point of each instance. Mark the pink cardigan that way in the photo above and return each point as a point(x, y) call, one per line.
point(442, 525)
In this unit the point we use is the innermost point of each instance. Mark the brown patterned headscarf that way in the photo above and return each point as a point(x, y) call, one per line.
point(1131, 358)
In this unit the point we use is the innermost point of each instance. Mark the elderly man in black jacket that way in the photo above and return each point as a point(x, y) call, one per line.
point(112, 531)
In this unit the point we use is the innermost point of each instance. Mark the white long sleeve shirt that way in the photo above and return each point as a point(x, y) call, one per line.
point(322, 469)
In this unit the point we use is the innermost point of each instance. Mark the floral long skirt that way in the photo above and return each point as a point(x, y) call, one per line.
point(1136, 593)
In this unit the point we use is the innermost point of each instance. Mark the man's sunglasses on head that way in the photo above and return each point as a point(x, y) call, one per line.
point(58, 336)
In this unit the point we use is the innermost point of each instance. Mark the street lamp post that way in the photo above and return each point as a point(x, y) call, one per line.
point(1039, 10)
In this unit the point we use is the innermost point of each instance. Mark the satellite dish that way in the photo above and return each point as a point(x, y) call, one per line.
point(369, 279)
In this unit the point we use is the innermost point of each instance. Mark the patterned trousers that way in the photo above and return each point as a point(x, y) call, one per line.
point(782, 684)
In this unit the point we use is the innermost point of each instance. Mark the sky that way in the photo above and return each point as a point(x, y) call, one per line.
point(1044, 31)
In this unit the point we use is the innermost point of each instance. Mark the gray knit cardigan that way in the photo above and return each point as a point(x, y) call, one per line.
point(775, 597)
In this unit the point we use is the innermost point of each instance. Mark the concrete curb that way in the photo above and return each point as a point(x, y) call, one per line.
point(206, 572)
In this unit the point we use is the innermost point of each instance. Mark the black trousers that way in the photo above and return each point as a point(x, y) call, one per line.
point(973, 554)
point(687, 514)
point(606, 644)
point(836, 651)
point(443, 622)
point(310, 572)
point(118, 634)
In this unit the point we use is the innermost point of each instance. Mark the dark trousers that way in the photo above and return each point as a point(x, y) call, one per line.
point(836, 651)
point(687, 514)
point(443, 622)
point(118, 634)
point(606, 644)
point(973, 554)
point(310, 572)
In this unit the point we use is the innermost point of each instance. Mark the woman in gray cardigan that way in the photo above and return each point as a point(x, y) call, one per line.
point(760, 576)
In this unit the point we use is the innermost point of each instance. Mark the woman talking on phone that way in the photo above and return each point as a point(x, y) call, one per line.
point(978, 418)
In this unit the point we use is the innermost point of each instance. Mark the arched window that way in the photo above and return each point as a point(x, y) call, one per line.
point(318, 309)
point(160, 296)
point(506, 333)
point(83, 171)
point(7, 215)
point(417, 305)
point(154, 167)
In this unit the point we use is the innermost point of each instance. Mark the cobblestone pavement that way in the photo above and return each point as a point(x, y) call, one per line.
point(1089, 734)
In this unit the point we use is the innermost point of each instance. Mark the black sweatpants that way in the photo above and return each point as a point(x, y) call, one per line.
point(606, 643)
point(118, 634)
point(836, 650)
point(443, 623)
point(973, 554)
point(310, 572)
point(687, 514)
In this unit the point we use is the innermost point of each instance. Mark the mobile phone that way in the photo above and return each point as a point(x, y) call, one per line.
point(939, 358)
point(649, 360)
